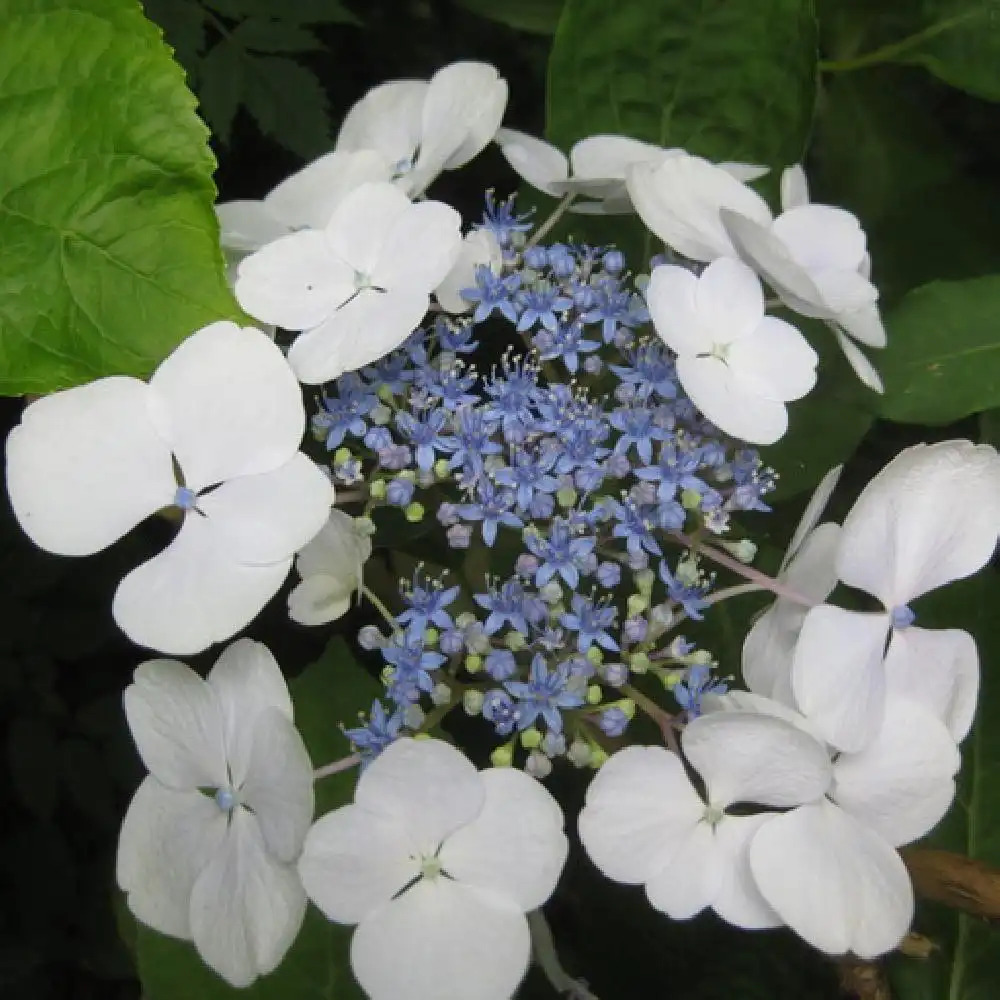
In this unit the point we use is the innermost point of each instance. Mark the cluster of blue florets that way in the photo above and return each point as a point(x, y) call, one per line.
point(577, 460)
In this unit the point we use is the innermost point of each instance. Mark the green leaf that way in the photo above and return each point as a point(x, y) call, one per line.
point(540, 17)
point(943, 358)
point(288, 104)
point(328, 694)
point(317, 967)
point(292, 11)
point(220, 75)
point(183, 25)
point(110, 253)
point(966, 965)
point(727, 79)
point(263, 35)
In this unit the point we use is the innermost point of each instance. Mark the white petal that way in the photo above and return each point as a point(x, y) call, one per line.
point(354, 862)
point(420, 248)
point(776, 359)
point(672, 299)
point(442, 941)
point(810, 518)
point(360, 224)
point(367, 328)
point(536, 161)
point(837, 674)
point(86, 465)
point(228, 403)
point(820, 236)
point(749, 757)
point(426, 786)
point(193, 594)
point(794, 187)
point(729, 301)
point(844, 290)
point(639, 808)
point(177, 725)
point(865, 325)
point(319, 599)
point(294, 282)
point(744, 172)
point(479, 248)
point(166, 839)
point(680, 200)
point(729, 402)
point(738, 900)
point(246, 226)
point(939, 668)
point(863, 368)
point(279, 784)
point(768, 650)
point(246, 908)
point(833, 881)
point(901, 784)
point(515, 846)
point(266, 518)
point(609, 156)
point(247, 681)
point(691, 878)
point(461, 114)
point(928, 518)
point(771, 259)
point(386, 119)
point(339, 549)
point(308, 197)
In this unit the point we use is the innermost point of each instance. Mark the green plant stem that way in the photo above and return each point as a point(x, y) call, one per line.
point(736, 591)
point(659, 715)
point(543, 948)
point(390, 618)
point(892, 51)
point(337, 766)
point(557, 213)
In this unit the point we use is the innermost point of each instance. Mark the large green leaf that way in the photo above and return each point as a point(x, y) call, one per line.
point(539, 17)
point(943, 358)
point(728, 79)
point(109, 253)
point(966, 963)
point(331, 691)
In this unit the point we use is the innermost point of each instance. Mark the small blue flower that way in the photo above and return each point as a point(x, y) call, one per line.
point(380, 731)
point(510, 605)
point(500, 218)
point(697, 683)
point(590, 621)
point(492, 507)
point(613, 721)
point(544, 694)
point(423, 431)
point(560, 553)
point(499, 708)
point(426, 602)
point(493, 293)
point(500, 664)
point(691, 599)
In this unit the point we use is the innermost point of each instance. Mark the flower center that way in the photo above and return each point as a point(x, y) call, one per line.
point(902, 616)
point(430, 868)
point(185, 498)
point(713, 815)
point(225, 799)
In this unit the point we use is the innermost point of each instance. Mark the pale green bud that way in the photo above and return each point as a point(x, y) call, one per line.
point(414, 512)
point(531, 738)
point(472, 701)
point(473, 663)
point(503, 756)
point(594, 694)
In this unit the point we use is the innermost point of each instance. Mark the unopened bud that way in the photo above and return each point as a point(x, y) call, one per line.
point(579, 753)
point(414, 512)
point(594, 694)
point(531, 738)
point(503, 756)
point(440, 694)
point(538, 765)
point(473, 663)
point(472, 701)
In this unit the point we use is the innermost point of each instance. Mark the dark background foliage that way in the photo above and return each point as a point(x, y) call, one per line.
point(917, 158)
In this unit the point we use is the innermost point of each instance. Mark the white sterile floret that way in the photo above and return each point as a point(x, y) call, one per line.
point(304, 200)
point(830, 867)
point(479, 249)
point(330, 566)
point(208, 846)
point(595, 169)
point(422, 128)
point(645, 824)
point(225, 411)
point(928, 518)
point(738, 365)
point(358, 288)
point(680, 200)
point(437, 863)
point(807, 569)
point(815, 257)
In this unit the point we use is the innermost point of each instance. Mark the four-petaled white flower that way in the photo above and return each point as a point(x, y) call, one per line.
point(737, 365)
point(359, 287)
point(86, 465)
point(330, 566)
point(595, 169)
point(645, 824)
point(815, 257)
point(930, 517)
point(303, 200)
point(437, 863)
point(829, 868)
point(421, 128)
point(209, 843)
